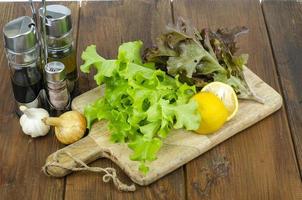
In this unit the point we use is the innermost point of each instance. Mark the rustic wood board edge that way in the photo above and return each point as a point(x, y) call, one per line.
point(211, 141)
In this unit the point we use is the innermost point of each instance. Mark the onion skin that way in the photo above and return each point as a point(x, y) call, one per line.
point(69, 127)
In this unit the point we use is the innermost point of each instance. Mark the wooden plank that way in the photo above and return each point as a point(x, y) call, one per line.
point(259, 163)
point(108, 24)
point(21, 157)
point(284, 20)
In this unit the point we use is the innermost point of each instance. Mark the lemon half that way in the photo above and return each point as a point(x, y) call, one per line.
point(226, 94)
point(212, 111)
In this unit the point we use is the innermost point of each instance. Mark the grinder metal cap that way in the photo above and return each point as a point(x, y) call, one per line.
point(20, 34)
point(54, 72)
point(58, 20)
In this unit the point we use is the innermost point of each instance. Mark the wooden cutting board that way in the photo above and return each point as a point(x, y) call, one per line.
point(179, 148)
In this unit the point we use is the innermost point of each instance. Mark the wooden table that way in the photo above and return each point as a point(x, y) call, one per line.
point(262, 162)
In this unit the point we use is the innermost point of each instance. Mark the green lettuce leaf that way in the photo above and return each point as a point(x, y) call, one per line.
point(141, 104)
point(130, 52)
point(91, 58)
point(191, 56)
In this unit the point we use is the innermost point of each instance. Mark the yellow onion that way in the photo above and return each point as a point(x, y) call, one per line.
point(69, 127)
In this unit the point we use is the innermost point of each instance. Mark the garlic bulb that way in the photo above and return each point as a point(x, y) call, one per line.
point(31, 121)
point(69, 127)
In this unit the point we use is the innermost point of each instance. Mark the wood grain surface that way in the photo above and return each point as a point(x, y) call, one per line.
point(260, 162)
point(107, 25)
point(284, 24)
point(21, 157)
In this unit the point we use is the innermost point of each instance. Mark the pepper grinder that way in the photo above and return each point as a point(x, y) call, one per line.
point(59, 38)
point(57, 94)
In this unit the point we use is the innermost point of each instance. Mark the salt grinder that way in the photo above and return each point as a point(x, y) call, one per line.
point(23, 54)
point(59, 38)
point(57, 94)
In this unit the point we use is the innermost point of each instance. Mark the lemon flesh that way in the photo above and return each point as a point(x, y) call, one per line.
point(212, 111)
point(226, 94)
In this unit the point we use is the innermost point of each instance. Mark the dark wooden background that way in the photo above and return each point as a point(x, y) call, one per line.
point(262, 162)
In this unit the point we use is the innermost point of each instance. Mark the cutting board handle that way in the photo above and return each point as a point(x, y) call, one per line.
point(61, 162)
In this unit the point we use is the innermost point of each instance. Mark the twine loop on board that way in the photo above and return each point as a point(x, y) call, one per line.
point(109, 172)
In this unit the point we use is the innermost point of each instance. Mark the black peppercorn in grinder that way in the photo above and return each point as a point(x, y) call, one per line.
point(23, 54)
point(59, 36)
